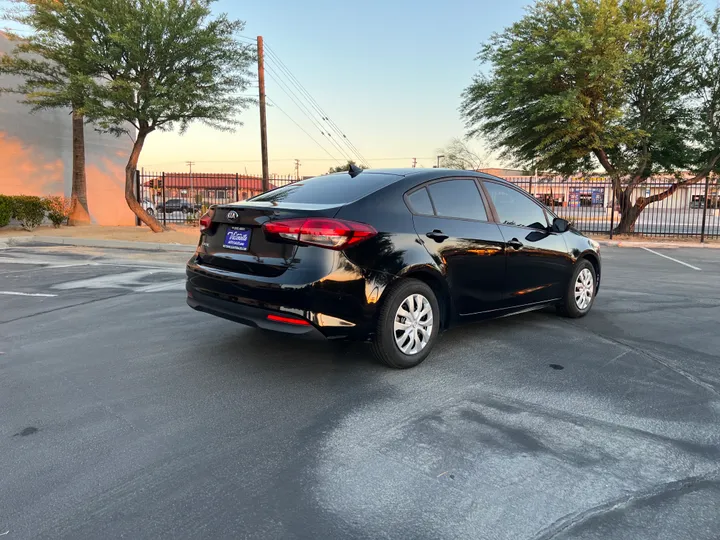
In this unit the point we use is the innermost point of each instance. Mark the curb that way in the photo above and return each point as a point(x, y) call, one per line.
point(657, 245)
point(93, 242)
point(183, 248)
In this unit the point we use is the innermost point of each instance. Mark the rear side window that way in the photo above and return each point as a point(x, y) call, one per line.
point(457, 199)
point(328, 189)
point(419, 202)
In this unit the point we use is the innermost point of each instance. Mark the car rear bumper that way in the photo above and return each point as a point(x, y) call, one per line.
point(247, 315)
point(334, 308)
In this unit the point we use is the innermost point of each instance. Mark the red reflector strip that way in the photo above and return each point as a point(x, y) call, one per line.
point(287, 320)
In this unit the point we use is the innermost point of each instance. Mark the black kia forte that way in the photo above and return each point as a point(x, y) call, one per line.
point(394, 256)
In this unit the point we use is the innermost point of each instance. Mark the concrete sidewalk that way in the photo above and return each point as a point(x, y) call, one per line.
point(179, 238)
point(657, 244)
point(10, 241)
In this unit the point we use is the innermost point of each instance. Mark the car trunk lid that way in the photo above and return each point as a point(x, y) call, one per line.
point(235, 240)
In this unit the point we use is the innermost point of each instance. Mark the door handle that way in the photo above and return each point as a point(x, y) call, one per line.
point(437, 235)
point(515, 243)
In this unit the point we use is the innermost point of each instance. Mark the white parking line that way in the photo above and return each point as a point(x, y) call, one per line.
point(13, 293)
point(675, 260)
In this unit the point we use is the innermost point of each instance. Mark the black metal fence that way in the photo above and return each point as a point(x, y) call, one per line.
point(184, 197)
point(691, 211)
point(588, 202)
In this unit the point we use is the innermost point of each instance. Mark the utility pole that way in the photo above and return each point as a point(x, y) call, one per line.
point(297, 169)
point(263, 119)
point(190, 164)
point(414, 162)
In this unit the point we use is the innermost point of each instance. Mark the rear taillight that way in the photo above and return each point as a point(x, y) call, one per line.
point(205, 222)
point(322, 232)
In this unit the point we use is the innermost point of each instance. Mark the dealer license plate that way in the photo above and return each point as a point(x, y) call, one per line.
point(237, 238)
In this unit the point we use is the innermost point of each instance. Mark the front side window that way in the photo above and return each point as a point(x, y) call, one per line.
point(457, 199)
point(514, 208)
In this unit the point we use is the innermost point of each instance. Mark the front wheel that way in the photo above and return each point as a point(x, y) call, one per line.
point(408, 325)
point(580, 293)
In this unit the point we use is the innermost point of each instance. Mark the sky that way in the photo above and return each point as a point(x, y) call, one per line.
point(388, 73)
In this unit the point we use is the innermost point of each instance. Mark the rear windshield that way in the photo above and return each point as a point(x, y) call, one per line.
point(328, 189)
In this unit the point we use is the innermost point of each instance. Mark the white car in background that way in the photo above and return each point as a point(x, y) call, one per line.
point(148, 206)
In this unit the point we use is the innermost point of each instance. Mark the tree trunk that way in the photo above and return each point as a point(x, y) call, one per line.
point(79, 214)
point(628, 212)
point(628, 217)
point(130, 198)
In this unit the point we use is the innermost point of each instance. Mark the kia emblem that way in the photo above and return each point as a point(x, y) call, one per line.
point(232, 215)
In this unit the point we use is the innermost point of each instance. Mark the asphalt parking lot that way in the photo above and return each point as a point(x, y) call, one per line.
point(124, 414)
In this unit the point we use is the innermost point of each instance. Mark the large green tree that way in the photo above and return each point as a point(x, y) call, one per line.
point(54, 73)
point(163, 64)
point(628, 85)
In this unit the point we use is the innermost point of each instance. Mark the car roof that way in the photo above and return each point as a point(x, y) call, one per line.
point(422, 175)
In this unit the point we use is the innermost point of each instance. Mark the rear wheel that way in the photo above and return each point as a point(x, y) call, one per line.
point(150, 212)
point(408, 325)
point(580, 293)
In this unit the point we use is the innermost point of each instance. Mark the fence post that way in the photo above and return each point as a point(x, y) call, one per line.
point(163, 200)
point(705, 205)
point(612, 210)
point(237, 187)
point(138, 195)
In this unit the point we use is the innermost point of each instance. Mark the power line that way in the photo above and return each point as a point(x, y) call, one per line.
point(315, 104)
point(303, 108)
point(288, 91)
point(283, 159)
point(303, 129)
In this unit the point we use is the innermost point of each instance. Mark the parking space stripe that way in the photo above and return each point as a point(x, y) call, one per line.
point(13, 293)
point(675, 260)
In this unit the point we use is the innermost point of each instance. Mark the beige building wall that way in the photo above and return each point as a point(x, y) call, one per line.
point(36, 156)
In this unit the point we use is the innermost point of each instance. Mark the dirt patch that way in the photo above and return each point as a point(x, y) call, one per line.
point(178, 235)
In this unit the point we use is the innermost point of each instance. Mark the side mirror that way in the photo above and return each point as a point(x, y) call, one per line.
point(560, 225)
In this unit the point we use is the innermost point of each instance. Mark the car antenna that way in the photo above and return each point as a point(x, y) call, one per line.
point(354, 170)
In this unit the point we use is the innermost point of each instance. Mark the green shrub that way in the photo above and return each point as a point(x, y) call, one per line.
point(29, 211)
point(6, 210)
point(58, 209)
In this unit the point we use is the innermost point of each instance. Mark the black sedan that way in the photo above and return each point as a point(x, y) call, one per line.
point(177, 205)
point(394, 256)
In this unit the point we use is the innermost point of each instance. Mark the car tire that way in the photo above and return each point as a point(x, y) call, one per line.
point(387, 341)
point(150, 212)
point(581, 291)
